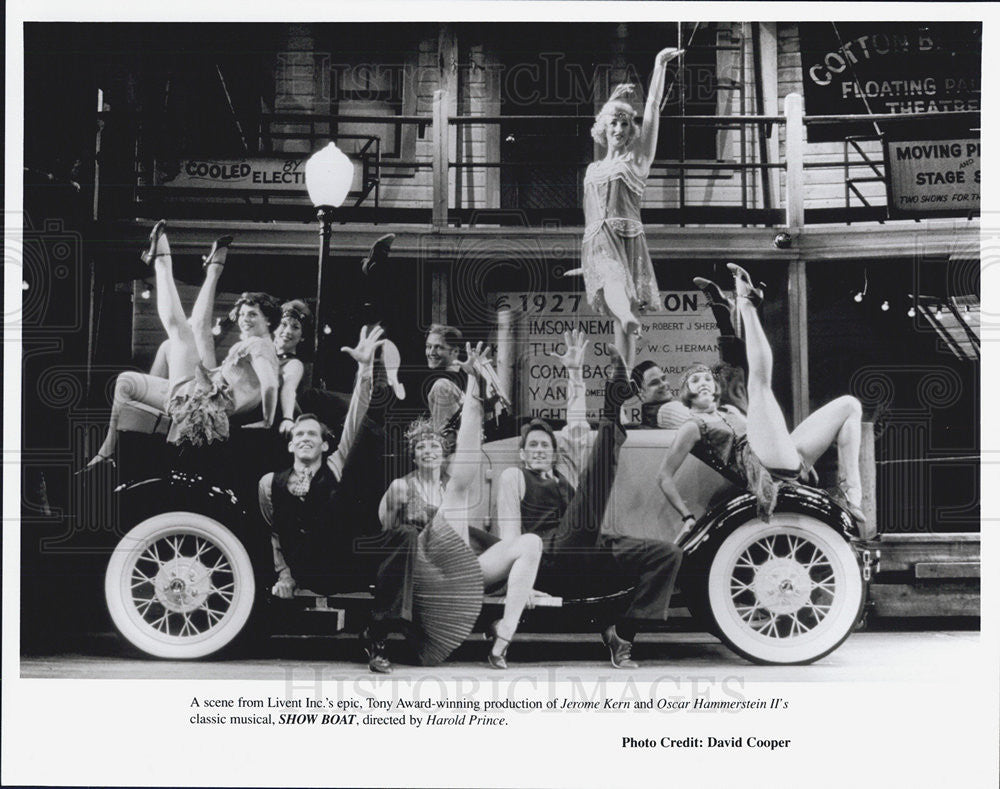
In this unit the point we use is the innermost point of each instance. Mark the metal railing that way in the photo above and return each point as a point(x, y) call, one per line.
point(446, 207)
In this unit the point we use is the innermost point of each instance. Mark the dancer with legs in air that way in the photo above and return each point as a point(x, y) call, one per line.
point(758, 449)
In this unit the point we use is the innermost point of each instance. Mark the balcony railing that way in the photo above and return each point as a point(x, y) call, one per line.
point(858, 166)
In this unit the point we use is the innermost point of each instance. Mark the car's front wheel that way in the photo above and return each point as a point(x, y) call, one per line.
point(180, 585)
point(789, 591)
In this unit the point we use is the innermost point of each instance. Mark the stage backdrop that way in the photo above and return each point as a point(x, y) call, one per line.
point(680, 332)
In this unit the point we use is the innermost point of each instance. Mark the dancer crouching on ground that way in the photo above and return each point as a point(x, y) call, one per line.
point(758, 449)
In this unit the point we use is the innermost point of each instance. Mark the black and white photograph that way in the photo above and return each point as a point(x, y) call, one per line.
point(498, 394)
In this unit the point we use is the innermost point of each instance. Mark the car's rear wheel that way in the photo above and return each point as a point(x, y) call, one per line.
point(180, 585)
point(789, 591)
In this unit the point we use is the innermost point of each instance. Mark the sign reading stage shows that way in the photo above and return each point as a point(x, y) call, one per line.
point(926, 177)
point(680, 332)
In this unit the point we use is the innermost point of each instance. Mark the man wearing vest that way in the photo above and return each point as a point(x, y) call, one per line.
point(542, 496)
point(323, 516)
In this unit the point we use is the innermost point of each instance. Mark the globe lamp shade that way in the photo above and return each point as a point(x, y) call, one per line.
point(329, 175)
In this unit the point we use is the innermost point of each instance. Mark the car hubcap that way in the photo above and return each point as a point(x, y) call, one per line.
point(782, 585)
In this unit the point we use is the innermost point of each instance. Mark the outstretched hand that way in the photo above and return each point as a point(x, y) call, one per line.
point(368, 341)
point(664, 56)
point(473, 358)
point(576, 347)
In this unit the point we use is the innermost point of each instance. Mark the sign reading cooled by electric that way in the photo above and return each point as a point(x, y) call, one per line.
point(857, 68)
point(266, 174)
point(932, 176)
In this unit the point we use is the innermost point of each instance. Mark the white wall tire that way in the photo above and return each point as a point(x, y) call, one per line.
point(180, 585)
point(785, 592)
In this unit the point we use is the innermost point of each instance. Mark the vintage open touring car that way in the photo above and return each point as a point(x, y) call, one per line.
point(193, 569)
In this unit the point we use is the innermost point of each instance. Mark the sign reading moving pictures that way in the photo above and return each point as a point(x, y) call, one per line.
point(851, 68)
point(927, 177)
point(679, 333)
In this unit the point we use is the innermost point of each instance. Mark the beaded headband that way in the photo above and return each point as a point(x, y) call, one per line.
point(419, 430)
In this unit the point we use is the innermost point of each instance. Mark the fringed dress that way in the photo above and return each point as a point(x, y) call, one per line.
point(200, 406)
point(614, 242)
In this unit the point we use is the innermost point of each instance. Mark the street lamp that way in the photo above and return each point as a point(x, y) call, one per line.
point(329, 175)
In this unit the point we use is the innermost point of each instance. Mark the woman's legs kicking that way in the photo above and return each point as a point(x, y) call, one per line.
point(182, 351)
point(130, 387)
point(840, 421)
point(515, 561)
point(201, 316)
point(766, 430)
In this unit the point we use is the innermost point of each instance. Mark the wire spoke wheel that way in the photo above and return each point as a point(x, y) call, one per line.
point(180, 585)
point(788, 591)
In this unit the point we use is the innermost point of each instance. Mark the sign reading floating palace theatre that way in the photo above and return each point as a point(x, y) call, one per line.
point(915, 68)
point(927, 177)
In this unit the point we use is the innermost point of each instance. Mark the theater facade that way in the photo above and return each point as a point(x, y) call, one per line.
point(838, 162)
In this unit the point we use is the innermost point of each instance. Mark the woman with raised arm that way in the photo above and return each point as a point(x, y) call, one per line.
point(758, 449)
point(617, 269)
point(449, 577)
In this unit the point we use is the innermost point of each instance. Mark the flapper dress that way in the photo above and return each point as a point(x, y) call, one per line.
point(726, 443)
point(199, 407)
point(614, 242)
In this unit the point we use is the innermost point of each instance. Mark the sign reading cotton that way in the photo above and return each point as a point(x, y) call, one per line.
point(856, 68)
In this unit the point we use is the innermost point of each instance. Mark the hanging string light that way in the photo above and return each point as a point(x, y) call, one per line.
point(911, 313)
point(859, 296)
point(885, 306)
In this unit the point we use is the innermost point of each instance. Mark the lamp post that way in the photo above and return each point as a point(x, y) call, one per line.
point(329, 175)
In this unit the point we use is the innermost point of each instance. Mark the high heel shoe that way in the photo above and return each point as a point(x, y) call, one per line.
point(220, 247)
point(150, 254)
point(744, 285)
point(98, 461)
point(378, 663)
point(497, 660)
point(723, 307)
point(839, 495)
point(379, 253)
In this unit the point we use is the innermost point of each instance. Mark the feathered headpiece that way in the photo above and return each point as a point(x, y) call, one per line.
point(421, 429)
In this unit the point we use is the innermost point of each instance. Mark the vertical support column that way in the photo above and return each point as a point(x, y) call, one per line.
point(439, 139)
point(798, 335)
point(439, 291)
point(794, 163)
point(506, 351)
point(769, 82)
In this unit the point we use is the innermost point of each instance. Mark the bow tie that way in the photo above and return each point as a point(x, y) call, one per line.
point(299, 482)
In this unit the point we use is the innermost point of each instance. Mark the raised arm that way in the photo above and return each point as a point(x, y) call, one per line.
point(684, 441)
point(646, 148)
point(268, 377)
point(364, 354)
point(291, 375)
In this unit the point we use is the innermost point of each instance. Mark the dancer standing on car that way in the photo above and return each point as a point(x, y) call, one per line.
point(200, 396)
point(617, 270)
point(577, 559)
point(759, 449)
